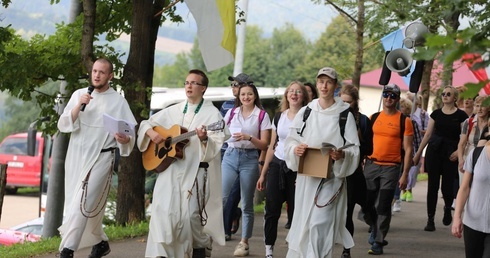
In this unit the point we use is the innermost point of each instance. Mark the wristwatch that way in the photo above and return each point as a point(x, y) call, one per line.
point(250, 139)
point(205, 140)
point(261, 162)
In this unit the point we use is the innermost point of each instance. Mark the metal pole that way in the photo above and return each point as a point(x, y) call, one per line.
point(3, 183)
point(240, 45)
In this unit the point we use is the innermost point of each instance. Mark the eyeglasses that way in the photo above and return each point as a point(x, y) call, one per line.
point(193, 83)
point(446, 94)
point(390, 95)
point(298, 92)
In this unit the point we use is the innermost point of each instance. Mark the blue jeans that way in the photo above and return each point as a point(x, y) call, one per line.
point(242, 164)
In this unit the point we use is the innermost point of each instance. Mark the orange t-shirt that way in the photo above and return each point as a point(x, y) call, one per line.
point(387, 144)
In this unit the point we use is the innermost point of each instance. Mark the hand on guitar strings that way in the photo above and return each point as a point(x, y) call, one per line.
point(202, 133)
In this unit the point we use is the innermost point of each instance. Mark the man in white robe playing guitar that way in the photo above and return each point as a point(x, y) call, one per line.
point(186, 213)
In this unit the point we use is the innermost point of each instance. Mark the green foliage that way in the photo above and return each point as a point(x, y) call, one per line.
point(276, 61)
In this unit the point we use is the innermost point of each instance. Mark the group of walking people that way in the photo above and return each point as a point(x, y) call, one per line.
point(205, 176)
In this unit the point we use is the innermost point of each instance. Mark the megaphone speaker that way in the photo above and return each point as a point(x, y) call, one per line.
point(414, 34)
point(416, 77)
point(399, 61)
point(385, 76)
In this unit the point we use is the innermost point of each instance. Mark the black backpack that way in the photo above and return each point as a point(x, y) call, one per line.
point(342, 121)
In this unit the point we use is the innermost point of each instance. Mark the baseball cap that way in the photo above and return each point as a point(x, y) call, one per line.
point(392, 88)
point(241, 78)
point(328, 71)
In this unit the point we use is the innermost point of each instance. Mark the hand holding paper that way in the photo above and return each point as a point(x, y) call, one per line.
point(113, 126)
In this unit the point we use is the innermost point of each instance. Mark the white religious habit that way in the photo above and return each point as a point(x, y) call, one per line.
point(315, 230)
point(186, 196)
point(85, 157)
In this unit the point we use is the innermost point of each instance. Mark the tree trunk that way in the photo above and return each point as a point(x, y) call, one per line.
point(56, 183)
point(88, 30)
point(137, 78)
point(425, 83)
point(356, 77)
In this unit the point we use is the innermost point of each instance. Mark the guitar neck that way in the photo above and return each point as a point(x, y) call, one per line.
point(183, 136)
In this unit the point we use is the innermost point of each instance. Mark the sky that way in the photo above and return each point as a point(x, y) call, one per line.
point(310, 18)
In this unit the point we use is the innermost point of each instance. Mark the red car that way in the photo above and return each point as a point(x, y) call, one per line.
point(22, 170)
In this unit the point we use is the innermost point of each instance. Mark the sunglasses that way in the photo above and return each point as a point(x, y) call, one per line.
point(446, 94)
point(236, 84)
point(390, 95)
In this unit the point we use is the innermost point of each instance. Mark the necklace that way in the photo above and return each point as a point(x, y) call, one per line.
point(197, 108)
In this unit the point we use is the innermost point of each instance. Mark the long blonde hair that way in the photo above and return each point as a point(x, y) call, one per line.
point(284, 104)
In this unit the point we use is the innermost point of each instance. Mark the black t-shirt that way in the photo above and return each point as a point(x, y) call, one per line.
point(448, 126)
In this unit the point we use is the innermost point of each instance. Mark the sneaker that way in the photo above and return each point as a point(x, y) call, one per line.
point(376, 249)
point(66, 253)
point(241, 250)
point(397, 206)
point(371, 239)
point(345, 254)
point(100, 249)
point(430, 225)
point(403, 197)
point(448, 218)
point(409, 196)
point(227, 237)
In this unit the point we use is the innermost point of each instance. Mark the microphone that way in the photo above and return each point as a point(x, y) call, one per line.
point(89, 91)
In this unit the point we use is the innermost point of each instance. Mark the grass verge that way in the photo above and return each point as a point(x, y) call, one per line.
point(50, 245)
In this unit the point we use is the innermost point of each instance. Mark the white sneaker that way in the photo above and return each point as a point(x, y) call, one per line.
point(241, 250)
point(397, 206)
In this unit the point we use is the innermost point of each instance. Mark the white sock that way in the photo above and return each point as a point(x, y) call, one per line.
point(269, 249)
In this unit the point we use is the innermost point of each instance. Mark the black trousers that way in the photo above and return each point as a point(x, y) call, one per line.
point(476, 243)
point(439, 166)
point(356, 194)
point(280, 188)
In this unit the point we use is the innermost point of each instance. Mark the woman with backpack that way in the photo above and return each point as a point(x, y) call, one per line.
point(471, 131)
point(473, 198)
point(356, 183)
point(250, 127)
point(276, 178)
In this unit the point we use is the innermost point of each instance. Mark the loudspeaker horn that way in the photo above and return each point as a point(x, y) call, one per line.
point(399, 61)
point(414, 34)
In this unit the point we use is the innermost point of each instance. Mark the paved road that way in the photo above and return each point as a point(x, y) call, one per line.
point(18, 209)
point(406, 237)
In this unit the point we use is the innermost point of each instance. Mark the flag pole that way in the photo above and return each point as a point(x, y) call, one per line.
point(240, 45)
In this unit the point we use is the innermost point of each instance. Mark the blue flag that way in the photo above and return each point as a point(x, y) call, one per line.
point(393, 41)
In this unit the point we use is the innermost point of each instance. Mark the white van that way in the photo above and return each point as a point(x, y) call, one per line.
point(165, 97)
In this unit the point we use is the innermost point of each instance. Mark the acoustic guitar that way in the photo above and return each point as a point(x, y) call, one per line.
point(159, 157)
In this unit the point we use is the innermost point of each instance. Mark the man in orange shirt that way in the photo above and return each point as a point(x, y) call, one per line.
point(392, 140)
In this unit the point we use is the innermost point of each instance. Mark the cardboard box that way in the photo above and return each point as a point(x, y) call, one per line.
point(313, 163)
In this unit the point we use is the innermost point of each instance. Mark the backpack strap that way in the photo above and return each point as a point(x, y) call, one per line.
point(306, 114)
point(470, 125)
point(232, 114)
point(261, 118)
point(342, 121)
point(277, 116)
point(476, 155)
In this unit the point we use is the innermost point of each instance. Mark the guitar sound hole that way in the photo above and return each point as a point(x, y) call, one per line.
point(166, 148)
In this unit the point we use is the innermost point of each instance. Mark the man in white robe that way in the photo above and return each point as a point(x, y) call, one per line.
point(315, 230)
point(186, 214)
point(90, 160)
